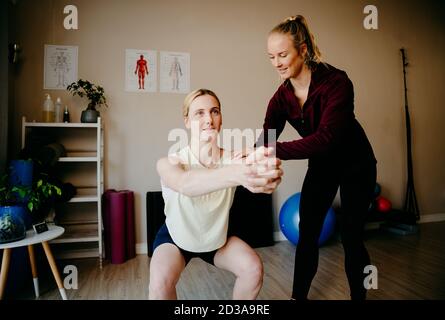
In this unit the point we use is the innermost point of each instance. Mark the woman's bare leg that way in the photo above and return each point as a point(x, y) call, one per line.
point(238, 257)
point(166, 266)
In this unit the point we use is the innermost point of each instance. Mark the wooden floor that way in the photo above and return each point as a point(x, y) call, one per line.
point(409, 267)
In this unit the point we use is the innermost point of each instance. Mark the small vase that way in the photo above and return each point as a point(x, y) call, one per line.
point(89, 116)
point(12, 227)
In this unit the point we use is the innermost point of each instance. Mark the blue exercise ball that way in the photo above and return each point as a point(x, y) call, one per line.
point(290, 219)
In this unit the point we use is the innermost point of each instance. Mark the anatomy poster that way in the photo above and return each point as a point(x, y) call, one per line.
point(60, 66)
point(175, 72)
point(140, 70)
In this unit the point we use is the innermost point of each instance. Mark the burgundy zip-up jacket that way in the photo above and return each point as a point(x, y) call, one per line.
point(331, 136)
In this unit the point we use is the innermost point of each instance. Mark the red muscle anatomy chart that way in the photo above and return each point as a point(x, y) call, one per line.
point(140, 70)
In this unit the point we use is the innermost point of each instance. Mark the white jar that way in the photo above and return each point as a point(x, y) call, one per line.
point(58, 110)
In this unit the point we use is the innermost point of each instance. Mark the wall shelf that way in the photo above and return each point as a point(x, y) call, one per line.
point(84, 199)
point(75, 239)
point(61, 124)
point(78, 159)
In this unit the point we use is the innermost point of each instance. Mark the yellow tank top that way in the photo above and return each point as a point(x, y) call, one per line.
point(198, 224)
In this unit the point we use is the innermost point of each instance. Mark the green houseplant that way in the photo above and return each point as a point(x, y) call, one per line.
point(37, 198)
point(95, 95)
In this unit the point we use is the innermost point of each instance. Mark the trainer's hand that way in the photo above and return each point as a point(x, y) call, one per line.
point(262, 179)
point(260, 154)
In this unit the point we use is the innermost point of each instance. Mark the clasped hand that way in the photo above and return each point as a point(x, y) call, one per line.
point(260, 169)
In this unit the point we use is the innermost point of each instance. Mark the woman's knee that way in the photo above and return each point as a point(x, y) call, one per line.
point(252, 267)
point(239, 258)
point(162, 282)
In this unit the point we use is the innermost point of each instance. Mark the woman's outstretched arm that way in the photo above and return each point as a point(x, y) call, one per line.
point(198, 182)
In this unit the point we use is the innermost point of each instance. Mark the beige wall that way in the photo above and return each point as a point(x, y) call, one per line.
point(226, 41)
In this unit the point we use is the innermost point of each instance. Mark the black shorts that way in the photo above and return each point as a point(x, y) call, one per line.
point(163, 236)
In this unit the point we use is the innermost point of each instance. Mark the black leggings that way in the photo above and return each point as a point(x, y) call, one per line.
point(319, 189)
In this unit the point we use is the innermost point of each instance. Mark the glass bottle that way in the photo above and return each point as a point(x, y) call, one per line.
point(66, 115)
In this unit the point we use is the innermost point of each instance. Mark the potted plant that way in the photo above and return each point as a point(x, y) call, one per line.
point(22, 205)
point(12, 215)
point(95, 95)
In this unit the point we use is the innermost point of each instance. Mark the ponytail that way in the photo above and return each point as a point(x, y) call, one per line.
point(297, 27)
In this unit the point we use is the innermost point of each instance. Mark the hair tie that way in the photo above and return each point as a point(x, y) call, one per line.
point(291, 18)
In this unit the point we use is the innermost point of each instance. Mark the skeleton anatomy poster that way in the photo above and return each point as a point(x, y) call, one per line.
point(60, 66)
point(175, 72)
point(140, 70)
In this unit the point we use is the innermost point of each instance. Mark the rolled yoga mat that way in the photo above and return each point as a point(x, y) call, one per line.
point(129, 230)
point(119, 225)
point(117, 205)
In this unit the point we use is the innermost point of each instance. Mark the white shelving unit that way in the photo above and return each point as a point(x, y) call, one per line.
point(82, 215)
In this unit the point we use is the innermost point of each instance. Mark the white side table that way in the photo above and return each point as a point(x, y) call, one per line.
point(31, 239)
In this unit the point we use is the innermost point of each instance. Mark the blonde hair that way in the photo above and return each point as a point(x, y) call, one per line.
point(193, 95)
point(298, 29)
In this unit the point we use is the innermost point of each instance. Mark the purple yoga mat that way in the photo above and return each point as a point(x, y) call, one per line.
point(118, 207)
point(117, 203)
point(129, 232)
